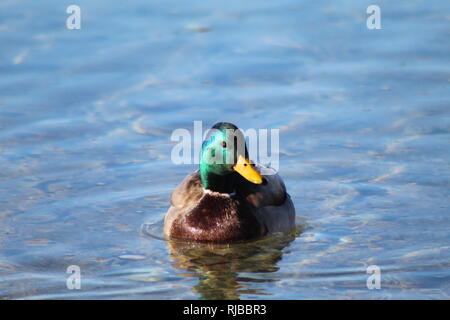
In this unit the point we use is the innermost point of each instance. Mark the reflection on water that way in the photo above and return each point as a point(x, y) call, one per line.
point(219, 267)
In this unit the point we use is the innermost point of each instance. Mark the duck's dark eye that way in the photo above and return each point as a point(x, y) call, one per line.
point(224, 144)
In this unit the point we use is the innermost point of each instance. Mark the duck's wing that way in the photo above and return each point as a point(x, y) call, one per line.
point(272, 192)
point(188, 192)
point(274, 207)
point(185, 195)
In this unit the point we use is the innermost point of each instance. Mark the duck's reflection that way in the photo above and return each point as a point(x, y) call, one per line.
point(225, 271)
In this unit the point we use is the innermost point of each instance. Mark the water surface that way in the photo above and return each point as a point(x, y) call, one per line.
point(85, 123)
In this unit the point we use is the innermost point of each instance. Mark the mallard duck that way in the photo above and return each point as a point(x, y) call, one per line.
point(228, 198)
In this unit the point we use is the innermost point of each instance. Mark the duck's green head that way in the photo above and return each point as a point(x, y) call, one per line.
point(223, 152)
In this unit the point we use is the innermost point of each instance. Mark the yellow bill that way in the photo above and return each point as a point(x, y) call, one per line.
point(244, 168)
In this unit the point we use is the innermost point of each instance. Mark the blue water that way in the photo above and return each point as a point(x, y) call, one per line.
point(85, 123)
